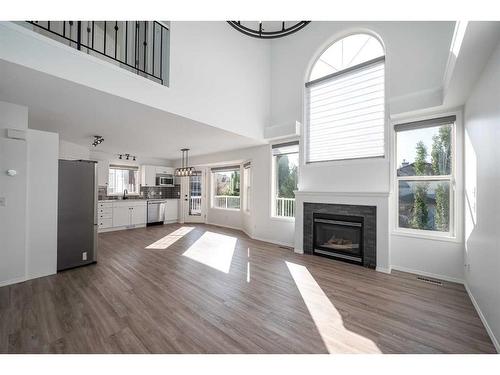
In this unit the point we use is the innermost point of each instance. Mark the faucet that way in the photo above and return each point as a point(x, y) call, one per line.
point(125, 192)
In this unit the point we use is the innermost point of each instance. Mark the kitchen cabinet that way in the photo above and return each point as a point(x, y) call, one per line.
point(121, 214)
point(164, 170)
point(148, 175)
point(172, 210)
point(102, 173)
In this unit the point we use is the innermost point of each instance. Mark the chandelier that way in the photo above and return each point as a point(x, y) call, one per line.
point(184, 170)
point(268, 29)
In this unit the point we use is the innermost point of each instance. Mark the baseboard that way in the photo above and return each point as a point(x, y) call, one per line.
point(383, 269)
point(13, 281)
point(427, 274)
point(483, 319)
point(279, 243)
point(223, 226)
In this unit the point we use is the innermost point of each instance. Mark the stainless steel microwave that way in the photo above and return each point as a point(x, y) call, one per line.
point(164, 180)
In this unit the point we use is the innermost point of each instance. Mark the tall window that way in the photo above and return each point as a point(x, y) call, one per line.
point(285, 171)
point(247, 183)
point(195, 194)
point(226, 187)
point(121, 178)
point(345, 101)
point(425, 174)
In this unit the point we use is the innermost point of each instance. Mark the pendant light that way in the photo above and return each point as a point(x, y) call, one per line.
point(185, 170)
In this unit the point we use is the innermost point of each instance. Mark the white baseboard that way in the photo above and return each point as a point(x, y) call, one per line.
point(428, 274)
point(483, 319)
point(383, 269)
point(13, 281)
point(279, 243)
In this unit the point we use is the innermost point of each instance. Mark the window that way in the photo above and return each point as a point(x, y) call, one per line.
point(425, 175)
point(247, 183)
point(226, 187)
point(345, 101)
point(123, 177)
point(285, 171)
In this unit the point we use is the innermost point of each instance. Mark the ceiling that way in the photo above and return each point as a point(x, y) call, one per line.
point(78, 113)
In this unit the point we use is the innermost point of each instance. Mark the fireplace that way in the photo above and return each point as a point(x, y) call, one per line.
point(338, 236)
point(341, 231)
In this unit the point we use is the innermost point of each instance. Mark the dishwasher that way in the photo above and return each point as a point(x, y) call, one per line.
point(156, 211)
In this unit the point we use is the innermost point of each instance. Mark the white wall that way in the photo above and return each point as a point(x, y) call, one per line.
point(43, 169)
point(482, 182)
point(72, 151)
point(13, 155)
point(28, 221)
point(217, 76)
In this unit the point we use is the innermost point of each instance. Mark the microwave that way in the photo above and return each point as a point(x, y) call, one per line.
point(164, 180)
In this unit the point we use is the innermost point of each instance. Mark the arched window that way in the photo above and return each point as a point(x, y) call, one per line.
point(345, 101)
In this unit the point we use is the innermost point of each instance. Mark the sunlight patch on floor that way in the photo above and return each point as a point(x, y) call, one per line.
point(326, 317)
point(169, 239)
point(214, 250)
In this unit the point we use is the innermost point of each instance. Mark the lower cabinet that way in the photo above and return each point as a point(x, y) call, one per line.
point(122, 215)
point(172, 210)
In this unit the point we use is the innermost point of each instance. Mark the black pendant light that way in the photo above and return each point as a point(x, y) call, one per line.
point(185, 170)
point(268, 29)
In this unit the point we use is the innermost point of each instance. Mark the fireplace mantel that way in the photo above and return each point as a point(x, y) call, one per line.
point(378, 199)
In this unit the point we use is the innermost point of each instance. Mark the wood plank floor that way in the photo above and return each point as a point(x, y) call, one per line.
point(204, 289)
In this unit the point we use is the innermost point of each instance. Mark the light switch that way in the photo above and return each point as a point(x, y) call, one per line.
point(2, 201)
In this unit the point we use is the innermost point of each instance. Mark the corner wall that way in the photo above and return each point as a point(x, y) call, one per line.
point(482, 203)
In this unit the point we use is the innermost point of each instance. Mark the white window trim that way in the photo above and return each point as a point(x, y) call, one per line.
point(135, 194)
point(212, 195)
point(247, 208)
point(456, 182)
point(273, 178)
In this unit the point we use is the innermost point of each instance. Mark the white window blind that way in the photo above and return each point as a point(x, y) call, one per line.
point(346, 114)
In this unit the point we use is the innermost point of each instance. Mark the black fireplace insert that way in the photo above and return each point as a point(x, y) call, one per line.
point(338, 236)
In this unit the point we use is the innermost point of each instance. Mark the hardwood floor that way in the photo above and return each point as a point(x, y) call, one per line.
point(214, 290)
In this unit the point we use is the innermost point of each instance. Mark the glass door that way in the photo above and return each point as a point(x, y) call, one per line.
point(194, 198)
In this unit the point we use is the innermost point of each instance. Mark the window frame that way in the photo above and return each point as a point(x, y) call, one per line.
point(247, 187)
point(274, 177)
point(454, 178)
point(305, 112)
point(215, 170)
point(129, 168)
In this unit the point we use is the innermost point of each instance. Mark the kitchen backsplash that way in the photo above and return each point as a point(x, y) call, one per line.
point(146, 192)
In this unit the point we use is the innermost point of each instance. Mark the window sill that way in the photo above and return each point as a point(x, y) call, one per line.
point(425, 235)
point(283, 218)
point(226, 209)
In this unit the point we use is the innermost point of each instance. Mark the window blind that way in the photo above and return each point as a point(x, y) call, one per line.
point(285, 148)
point(226, 168)
point(346, 114)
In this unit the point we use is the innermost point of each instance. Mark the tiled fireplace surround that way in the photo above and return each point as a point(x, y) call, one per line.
point(372, 206)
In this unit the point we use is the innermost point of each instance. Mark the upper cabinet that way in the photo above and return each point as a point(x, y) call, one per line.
point(164, 170)
point(102, 173)
point(149, 172)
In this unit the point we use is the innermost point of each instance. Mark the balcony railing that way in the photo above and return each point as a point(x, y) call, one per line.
point(227, 201)
point(138, 46)
point(195, 205)
point(285, 207)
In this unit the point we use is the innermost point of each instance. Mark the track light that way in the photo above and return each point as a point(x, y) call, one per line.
point(97, 140)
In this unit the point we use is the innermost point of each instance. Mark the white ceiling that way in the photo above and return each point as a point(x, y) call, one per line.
point(78, 112)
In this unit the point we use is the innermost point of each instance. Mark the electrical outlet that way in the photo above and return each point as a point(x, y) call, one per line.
point(84, 255)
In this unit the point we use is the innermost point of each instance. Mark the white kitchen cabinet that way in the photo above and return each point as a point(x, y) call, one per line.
point(172, 210)
point(102, 173)
point(121, 216)
point(148, 175)
point(164, 170)
point(138, 215)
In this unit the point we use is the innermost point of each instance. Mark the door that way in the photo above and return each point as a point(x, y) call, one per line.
point(193, 198)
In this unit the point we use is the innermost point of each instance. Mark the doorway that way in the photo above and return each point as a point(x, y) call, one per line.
point(193, 198)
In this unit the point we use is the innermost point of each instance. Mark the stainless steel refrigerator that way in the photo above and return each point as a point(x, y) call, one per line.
point(77, 214)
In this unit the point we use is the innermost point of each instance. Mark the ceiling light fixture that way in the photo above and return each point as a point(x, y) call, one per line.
point(97, 140)
point(184, 170)
point(268, 29)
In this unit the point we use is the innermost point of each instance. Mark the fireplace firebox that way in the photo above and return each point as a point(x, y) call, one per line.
point(338, 236)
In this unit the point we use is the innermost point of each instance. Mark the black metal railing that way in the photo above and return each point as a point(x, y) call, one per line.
point(138, 46)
